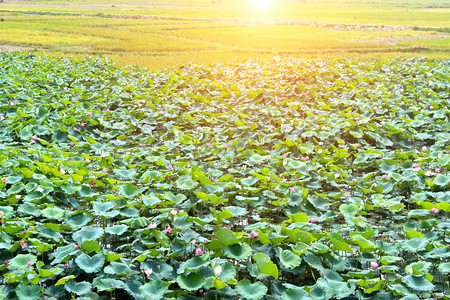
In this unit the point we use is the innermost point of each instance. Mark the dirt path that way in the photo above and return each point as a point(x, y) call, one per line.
point(395, 40)
point(6, 47)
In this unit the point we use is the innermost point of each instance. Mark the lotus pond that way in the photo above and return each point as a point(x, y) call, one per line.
point(290, 179)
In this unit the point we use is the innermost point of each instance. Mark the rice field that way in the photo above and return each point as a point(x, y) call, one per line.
point(162, 34)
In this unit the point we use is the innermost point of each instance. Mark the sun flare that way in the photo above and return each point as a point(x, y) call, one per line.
point(262, 4)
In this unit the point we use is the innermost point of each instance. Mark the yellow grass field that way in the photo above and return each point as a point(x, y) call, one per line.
point(162, 34)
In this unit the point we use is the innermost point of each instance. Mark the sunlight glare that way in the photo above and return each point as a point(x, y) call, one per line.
point(261, 4)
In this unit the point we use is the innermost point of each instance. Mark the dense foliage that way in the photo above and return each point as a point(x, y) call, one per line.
point(294, 179)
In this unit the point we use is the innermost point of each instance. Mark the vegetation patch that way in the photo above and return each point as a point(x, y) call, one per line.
point(292, 179)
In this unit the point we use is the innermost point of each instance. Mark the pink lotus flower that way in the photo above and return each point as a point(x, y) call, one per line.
point(174, 212)
point(66, 265)
point(312, 220)
point(320, 151)
point(170, 167)
point(169, 229)
point(89, 114)
point(254, 234)
point(435, 210)
point(40, 190)
point(151, 225)
point(198, 251)
point(29, 263)
point(4, 179)
point(34, 137)
point(23, 244)
point(374, 264)
point(354, 180)
point(76, 246)
point(18, 196)
point(74, 128)
point(292, 190)
point(415, 166)
point(5, 262)
point(336, 175)
point(168, 177)
point(148, 272)
point(104, 170)
point(225, 146)
point(91, 183)
point(437, 170)
point(325, 205)
point(384, 176)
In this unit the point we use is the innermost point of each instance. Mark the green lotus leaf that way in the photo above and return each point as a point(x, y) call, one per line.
point(227, 272)
point(153, 290)
point(249, 181)
point(294, 293)
point(265, 265)
point(191, 282)
point(78, 220)
point(418, 268)
point(418, 283)
point(90, 246)
point(399, 289)
point(125, 174)
point(177, 199)
point(117, 229)
point(108, 284)
point(64, 280)
point(14, 179)
point(55, 213)
point(79, 288)
point(349, 209)
point(299, 218)
point(102, 207)
point(193, 265)
point(441, 180)
point(415, 244)
point(185, 182)
point(444, 267)
point(88, 234)
point(62, 254)
point(289, 259)
point(410, 297)
point(49, 233)
point(160, 270)
point(129, 190)
point(70, 188)
point(151, 200)
point(116, 268)
point(28, 292)
point(29, 209)
point(248, 290)
point(15, 189)
point(21, 261)
point(226, 236)
point(339, 243)
point(90, 264)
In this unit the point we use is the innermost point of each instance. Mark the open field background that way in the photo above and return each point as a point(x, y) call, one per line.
point(160, 34)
